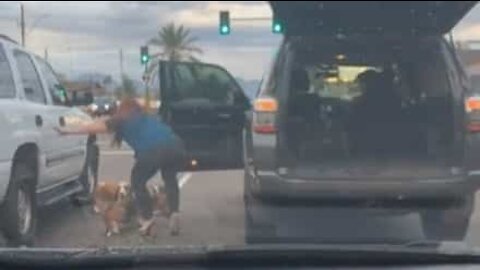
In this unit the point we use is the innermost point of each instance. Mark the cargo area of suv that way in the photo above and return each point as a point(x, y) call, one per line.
point(370, 108)
point(366, 102)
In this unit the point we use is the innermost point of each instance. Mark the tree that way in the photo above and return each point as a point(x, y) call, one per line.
point(176, 43)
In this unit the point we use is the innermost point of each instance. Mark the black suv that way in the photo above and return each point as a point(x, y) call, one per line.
point(365, 102)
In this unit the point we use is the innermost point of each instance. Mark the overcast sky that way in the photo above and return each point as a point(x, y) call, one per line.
point(86, 37)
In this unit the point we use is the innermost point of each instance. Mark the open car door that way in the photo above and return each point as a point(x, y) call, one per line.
point(206, 107)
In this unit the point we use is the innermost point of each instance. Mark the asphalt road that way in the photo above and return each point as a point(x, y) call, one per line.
point(212, 213)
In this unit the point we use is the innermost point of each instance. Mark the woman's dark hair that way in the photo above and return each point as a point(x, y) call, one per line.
point(127, 107)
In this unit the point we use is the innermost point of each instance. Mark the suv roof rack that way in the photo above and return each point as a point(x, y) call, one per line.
point(7, 38)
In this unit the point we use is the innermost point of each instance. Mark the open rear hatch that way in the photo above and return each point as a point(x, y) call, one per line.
point(388, 18)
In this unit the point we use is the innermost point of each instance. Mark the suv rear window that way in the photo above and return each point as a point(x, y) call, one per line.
point(7, 85)
point(339, 82)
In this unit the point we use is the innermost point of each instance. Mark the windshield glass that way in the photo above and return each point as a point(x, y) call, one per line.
point(336, 82)
point(239, 123)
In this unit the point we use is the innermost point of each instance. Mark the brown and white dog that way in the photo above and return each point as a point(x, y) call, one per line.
point(113, 200)
point(160, 204)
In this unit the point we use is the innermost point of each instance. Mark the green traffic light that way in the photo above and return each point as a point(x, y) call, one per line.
point(224, 26)
point(224, 30)
point(144, 56)
point(277, 27)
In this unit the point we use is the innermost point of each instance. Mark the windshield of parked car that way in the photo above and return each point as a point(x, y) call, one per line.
point(179, 124)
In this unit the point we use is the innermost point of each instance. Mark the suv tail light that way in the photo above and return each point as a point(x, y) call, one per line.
point(472, 108)
point(265, 110)
point(472, 104)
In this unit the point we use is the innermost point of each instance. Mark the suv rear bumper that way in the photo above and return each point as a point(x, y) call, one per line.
point(275, 186)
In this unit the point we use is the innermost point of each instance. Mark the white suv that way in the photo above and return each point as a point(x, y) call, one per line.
point(38, 166)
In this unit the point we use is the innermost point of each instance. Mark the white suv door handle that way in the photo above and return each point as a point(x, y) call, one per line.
point(38, 120)
point(61, 121)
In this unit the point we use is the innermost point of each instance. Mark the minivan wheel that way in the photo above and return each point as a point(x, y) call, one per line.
point(257, 229)
point(20, 208)
point(89, 178)
point(448, 224)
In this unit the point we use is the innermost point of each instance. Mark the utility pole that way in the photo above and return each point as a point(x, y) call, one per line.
point(122, 71)
point(45, 54)
point(22, 23)
point(144, 60)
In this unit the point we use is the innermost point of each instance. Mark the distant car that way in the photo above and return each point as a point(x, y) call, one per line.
point(103, 106)
point(38, 165)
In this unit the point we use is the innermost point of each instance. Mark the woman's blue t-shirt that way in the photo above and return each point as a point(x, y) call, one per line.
point(142, 132)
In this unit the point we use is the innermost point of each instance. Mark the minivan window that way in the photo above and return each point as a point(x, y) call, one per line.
point(30, 78)
point(7, 85)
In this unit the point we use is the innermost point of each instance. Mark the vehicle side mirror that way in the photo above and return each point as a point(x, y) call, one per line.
point(59, 96)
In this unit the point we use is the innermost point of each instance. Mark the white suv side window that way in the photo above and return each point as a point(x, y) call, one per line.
point(57, 92)
point(30, 78)
point(7, 85)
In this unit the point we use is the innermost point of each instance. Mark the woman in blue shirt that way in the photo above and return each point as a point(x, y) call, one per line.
point(156, 148)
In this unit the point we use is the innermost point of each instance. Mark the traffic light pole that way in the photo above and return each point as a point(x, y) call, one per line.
point(147, 92)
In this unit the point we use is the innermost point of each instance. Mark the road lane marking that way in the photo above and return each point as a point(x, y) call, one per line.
point(184, 179)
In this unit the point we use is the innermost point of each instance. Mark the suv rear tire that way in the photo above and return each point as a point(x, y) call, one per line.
point(258, 229)
point(20, 208)
point(448, 224)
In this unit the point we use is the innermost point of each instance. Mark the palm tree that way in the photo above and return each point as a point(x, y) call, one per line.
point(176, 43)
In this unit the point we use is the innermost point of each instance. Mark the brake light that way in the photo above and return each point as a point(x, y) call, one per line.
point(265, 110)
point(472, 104)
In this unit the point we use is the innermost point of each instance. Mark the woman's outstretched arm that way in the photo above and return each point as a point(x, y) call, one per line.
point(95, 127)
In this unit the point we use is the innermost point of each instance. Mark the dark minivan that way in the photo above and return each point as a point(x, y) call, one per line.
point(366, 102)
